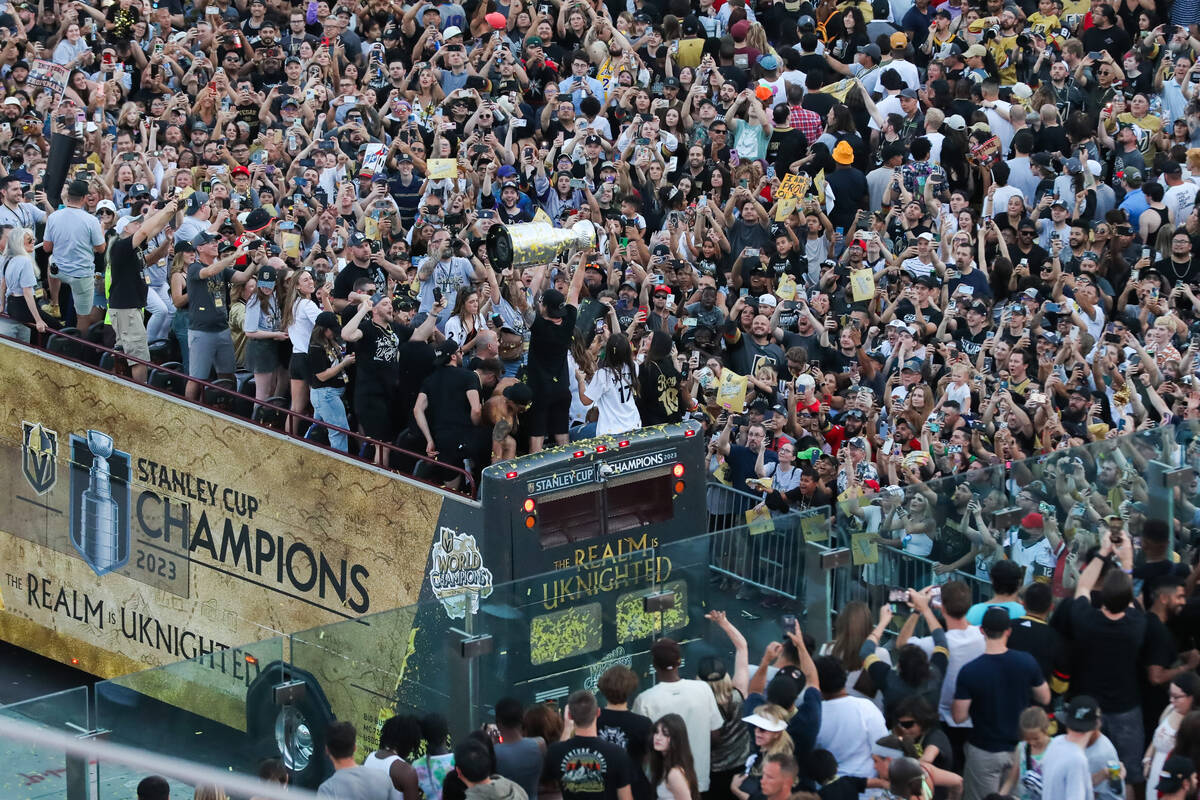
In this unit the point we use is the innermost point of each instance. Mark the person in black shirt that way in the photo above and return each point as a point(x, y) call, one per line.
point(449, 410)
point(327, 377)
point(586, 766)
point(127, 289)
point(1032, 634)
point(1109, 649)
point(663, 396)
point(619, 725)
point(549, 340)
point(378, 375)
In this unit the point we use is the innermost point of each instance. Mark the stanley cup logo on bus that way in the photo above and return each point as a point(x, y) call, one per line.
point(99, 501)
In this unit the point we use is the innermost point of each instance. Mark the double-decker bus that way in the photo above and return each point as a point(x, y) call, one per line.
point(139, 530)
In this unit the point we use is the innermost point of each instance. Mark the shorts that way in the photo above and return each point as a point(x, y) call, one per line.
point(262, 356)
point(208, 350)
point(130, 325)
point(374, 415)
point(549, 417)
point(83, 292)
point(298, 367)
point(1124, 730)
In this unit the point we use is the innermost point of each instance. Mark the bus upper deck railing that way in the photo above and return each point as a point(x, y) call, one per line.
point(229, 401)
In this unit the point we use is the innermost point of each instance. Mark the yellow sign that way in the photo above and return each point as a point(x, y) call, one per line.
point(291, 245)
point(863, 549)
point(815, 528)
point(440, 168)
point(862, 284)
point(731, 393)
point(786, 290)
point(839, 89)
point(758, 520)
point(784, 208)
point(371, 228)
point(819, 182)
point(792, 186)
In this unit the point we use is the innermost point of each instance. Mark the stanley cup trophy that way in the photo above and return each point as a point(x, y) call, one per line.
point(530, 243)
point(99, 531)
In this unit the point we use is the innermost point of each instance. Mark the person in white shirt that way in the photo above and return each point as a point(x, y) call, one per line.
point(850, 726)
point(1065, 773)
point(965, 643)
point(613, 389)
point(1035, 548)
point(691, 699)
point(997, 112)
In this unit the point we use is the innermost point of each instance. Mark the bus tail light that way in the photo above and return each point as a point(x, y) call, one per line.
point(529, 505)
point(511, 475)
point(689, 433)
point(530, 509)
point(578, 454)
point(602, 448)
point(678, 470)
point(623, 443)
point(530, 521)
point(679, 487)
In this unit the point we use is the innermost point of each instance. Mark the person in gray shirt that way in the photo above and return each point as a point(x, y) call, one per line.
point(350, 781)
point(72, 238)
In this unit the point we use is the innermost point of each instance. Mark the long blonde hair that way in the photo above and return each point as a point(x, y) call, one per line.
point(782, 743)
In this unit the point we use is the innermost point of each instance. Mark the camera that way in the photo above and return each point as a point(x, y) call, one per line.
point(990, 34)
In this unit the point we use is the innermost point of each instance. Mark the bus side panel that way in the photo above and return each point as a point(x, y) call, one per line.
point(137, 530)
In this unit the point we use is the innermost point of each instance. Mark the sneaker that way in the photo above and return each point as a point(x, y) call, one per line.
point(51, 310)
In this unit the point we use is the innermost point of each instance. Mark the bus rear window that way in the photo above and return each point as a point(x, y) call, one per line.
point(630, 504)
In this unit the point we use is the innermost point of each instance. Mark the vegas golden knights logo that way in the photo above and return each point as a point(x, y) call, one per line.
point(39, 456)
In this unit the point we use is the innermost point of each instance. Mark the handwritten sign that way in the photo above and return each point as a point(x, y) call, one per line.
point(792, 186)
point(49, 76)
point(982, 152)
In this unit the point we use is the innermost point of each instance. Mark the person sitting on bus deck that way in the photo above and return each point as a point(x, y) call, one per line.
point(501, 412)
point(448, 410)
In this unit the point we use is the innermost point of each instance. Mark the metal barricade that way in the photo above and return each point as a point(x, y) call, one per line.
point(771, 561)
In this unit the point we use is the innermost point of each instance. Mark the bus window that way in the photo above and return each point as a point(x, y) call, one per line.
point(631, 503)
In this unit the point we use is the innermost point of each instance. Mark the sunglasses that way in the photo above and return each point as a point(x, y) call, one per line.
point(906, 723)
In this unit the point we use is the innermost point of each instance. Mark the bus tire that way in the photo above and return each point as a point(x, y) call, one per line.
point(313, 708)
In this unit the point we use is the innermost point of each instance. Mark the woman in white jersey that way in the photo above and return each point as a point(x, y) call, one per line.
point(398, 738)
point(613, 388)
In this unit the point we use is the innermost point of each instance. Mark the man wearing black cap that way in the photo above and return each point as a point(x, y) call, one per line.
point(1065, 772)
point(377, 380)
point(327, 378)
point(72, 238)
point(128, 288)
point(1177, 778)
point(210, 344)
point(549, 340)
point(991, 692)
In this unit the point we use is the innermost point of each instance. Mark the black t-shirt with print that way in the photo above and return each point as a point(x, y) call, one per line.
point(378, 357)
point(320, 358)
point(588, 768)
point(128, 287)
point(659, 398)
point(634, 733)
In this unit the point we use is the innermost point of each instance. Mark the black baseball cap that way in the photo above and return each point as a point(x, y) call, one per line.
point(555, 303)
point(995, 620)
point(1174, 773)
point(1082, 714)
